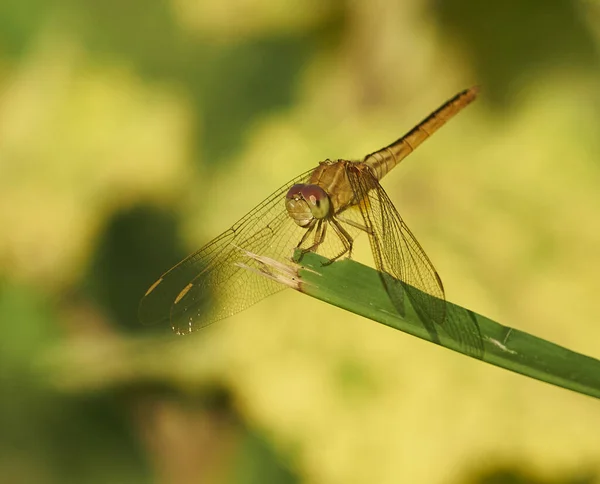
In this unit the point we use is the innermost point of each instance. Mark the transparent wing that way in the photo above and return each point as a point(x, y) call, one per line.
point(210, 284)
point(398, 254)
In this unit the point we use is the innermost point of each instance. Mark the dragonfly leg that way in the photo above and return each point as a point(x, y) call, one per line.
point(354, 224)
point(319, 229)
point(345, 238)
point(309, 231)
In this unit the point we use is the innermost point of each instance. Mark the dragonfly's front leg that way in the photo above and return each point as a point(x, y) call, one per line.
point(319, 228)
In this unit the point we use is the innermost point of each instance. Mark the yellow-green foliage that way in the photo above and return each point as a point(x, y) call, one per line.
point(201, 111)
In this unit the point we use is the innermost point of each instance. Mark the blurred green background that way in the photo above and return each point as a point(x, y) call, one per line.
point(132, 132)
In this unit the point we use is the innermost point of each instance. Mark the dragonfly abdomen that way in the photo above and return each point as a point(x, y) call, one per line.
point(384, 160)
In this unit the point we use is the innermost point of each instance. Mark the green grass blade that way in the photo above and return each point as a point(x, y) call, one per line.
point(359, 289)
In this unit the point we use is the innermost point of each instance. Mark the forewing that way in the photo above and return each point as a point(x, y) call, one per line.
point(220, 279)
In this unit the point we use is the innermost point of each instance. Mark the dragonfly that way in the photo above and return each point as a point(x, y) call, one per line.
point(322, 210)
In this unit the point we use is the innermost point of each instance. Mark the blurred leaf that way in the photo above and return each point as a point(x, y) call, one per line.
point(135, 243)
point(229, 85)
point(518, 476)
point(238, 83)
point(513, 42)
point(19, 24)
point(257, 463)
point(48, 437)
point(25, 316)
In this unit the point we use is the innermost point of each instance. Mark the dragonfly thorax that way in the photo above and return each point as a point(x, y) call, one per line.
point(304, 203)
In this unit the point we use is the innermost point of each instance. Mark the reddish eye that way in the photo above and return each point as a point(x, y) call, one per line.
point(313, 193)
point(295, 191)
point(318, 200)
point(314, 197)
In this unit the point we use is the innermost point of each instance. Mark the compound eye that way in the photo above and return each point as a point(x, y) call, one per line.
point(317, 200)
point(295, 192)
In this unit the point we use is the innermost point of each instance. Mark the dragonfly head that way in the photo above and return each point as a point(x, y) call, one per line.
point(307, 202)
